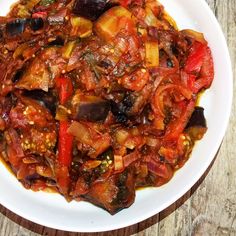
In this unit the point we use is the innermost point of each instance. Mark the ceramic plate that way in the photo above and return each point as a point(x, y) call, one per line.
point(53, 211)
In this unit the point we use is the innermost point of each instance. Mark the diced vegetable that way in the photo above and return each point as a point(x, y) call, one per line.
point(16, 27)
point(118, 163)
point(121, 136)
point(109, 24)
point(81, 27)
point(36, 77)
point(91, 9)
point(197, 118)
point(89, 136)
point(68, 49)
point(36, 24)
point(152, 54)
point(81, 132)
point(90, 108)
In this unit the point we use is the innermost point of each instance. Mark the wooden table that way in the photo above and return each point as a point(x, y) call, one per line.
point(209, 208)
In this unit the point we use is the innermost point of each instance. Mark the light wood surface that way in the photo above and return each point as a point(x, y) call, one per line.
point(209, 208)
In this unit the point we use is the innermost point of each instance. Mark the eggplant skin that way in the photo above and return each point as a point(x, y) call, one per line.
point(197, 118)
point(91, 9)
point(113, 194)
point(16, 27)
point(36, 24)
point(91, 111)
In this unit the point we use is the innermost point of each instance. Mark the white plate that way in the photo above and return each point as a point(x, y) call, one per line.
point(53, 211)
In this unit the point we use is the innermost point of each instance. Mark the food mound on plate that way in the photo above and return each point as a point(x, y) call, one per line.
point(99, 98)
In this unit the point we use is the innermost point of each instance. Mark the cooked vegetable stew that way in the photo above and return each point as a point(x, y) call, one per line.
point(99, 98)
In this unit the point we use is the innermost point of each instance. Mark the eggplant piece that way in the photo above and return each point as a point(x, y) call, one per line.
point(47, 99)
point(118, 112)
point(91, 9)
point(122, 110)
point(197, 119)
point(196, 127)
point(36, 23)
point(113, 194)
point(16, 27)
point(91, 108)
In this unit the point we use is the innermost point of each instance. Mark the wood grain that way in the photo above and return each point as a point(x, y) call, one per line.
point(209, 208)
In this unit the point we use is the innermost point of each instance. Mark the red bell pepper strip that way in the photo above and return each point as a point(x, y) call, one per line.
point(65, 142)
point(65, 88)
point(194, 61)
point(206, 73)
point(199, 64)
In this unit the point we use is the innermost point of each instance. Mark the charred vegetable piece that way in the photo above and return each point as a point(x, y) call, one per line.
point(123, 110)
point(90, 9)
point(36, 24)
point(118, 112)
point(113, 194)
point(16, 27)
point(91, 108)
point(197, 118)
